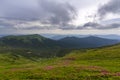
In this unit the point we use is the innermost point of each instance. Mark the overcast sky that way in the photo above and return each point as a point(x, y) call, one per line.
point(60, 16)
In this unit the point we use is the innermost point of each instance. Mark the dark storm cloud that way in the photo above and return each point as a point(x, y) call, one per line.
point(113, 6)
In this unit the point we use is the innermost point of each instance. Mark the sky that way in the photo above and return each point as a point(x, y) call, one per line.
point(60, 17)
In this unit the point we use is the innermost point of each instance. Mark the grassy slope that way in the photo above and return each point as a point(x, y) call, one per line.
point(28, 41)
point(92, 64)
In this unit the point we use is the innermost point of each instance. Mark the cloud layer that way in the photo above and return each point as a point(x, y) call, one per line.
point(42, 12)
point(50, 15)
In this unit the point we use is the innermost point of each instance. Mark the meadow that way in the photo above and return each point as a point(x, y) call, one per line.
point(86, 64)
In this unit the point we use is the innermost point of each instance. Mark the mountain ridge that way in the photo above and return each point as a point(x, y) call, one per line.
point(88, 42)
point(28, 41)
point(38, 41)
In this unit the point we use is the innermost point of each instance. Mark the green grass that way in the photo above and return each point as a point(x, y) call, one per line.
point(90, 64)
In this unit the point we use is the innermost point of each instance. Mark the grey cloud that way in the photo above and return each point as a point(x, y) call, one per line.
point(113, 6)
point(34, 28)
point(59, 13)
point(68, 27)
point(5, 24)
point(17, 14)
point(45, 11)
point(24, 25)
point(91, 24)
point(101, 26)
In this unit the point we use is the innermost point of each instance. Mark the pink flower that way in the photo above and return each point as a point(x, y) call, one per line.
point(104, 72)
point(49, 67)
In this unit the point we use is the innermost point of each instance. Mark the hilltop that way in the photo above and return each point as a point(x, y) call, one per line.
point(28, 41)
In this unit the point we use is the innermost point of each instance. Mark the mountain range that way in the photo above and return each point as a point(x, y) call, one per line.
point(59, 36)
point(38, 41)
point(87, 42)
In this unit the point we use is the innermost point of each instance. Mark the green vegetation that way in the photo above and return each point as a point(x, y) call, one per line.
point(28, 41)
point(86, 64)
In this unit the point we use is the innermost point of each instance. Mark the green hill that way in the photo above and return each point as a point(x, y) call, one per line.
point(86, 64)
point(28, 41)
point(28, 46)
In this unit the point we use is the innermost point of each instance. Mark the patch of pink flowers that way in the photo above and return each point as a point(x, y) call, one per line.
point(117, 74)
point(49, 67)
point(105, 72)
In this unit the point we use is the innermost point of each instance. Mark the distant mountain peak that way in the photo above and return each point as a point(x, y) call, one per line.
point(92, 37)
